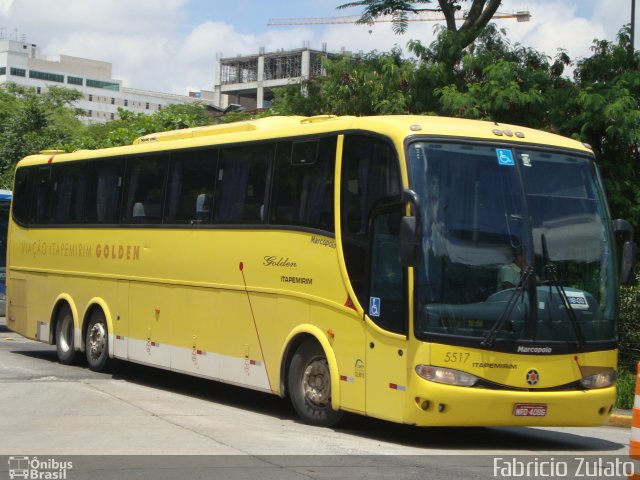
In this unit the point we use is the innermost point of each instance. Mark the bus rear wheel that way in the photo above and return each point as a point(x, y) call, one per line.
point(65, 336)
point(97, 342)
point(309, 383)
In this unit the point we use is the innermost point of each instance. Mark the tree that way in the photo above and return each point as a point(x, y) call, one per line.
point(609, 119)
point(31, 122)
point(456, 38)
point(372, 84)
point(506, 83)
point(130, 126)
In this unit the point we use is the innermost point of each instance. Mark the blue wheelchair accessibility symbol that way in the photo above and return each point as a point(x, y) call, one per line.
point(374, 307)
point(505, 157)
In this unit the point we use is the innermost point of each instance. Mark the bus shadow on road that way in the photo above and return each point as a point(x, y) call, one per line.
point(490, 439)
point(203, 389)
point(456, 439)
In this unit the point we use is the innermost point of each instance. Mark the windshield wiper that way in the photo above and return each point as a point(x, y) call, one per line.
point(552, 274)
point(508, 309)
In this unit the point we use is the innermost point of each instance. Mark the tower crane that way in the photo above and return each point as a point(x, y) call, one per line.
point(520, 16)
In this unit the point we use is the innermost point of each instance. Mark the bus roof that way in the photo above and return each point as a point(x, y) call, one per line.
point(396, 127)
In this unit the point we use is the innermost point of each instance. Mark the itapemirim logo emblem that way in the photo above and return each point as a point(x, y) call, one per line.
point(35, 469)
point(533, 377)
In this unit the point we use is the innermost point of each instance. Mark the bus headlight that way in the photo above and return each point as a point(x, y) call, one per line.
point(447, 376)
point(599, 380)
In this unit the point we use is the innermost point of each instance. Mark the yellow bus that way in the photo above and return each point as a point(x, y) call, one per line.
point(423, 270)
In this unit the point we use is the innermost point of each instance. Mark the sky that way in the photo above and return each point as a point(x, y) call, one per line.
point(172, 45)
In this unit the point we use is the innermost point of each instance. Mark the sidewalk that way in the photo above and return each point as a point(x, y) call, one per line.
point(620, 418)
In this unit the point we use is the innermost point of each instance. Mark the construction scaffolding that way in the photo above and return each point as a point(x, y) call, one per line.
point(248, 81)
point(316, 67)
point(240, 70)
point(280, 66)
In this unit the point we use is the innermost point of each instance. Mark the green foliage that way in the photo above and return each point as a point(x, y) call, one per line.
point(476, 19)
point(30, 122)
point(500, 96)
point(625, 390)
point(131, 125)
point(397, 9)
point(629, 327)
point(608, 118)
point(374, 84)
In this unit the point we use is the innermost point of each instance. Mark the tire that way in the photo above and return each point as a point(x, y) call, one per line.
point(309, 384)
point(65, 336)
point(97, 342)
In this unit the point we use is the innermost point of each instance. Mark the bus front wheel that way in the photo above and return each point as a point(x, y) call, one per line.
point(97, 342)
point(65, 343)
point(309, 385)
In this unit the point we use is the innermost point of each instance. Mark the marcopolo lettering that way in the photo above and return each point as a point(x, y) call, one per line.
point(325, 242)
point(523, 349)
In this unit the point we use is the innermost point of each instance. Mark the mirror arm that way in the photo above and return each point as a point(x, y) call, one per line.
point(625, 229)
point(411, 197)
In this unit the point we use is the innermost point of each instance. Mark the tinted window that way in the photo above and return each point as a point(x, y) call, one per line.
point(369, 174)
point(69, 190)
point(191, 183)
point(104, 191)
point(145, 190)
point(22, 188)
point(303, 184)
point(386, 276)
point(242, 180)
point(41, 204)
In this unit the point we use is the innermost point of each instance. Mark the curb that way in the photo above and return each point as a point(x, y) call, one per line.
point(619, 421)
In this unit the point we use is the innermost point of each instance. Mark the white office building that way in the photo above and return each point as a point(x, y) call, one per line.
point(21, 63)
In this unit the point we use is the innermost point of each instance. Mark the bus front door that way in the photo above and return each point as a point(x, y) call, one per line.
point(386, 359)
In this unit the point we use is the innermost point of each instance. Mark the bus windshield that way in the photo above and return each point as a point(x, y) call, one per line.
point(491, 213)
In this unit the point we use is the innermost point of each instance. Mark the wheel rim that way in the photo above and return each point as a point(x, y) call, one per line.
point(97, 340)
point(316, 382)
point(66, 334)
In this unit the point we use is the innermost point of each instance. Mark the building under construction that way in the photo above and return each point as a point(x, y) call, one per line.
point(248, 81)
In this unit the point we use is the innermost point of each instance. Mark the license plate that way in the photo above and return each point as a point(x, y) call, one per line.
point(530, 409)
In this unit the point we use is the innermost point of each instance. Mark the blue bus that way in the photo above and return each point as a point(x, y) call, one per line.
point(5, 207)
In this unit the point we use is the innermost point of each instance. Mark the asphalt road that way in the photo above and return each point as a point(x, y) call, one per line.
point(139, 422)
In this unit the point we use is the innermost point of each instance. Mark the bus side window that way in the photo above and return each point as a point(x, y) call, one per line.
point(303, 184)
point(191, 183)
point(69, 190)
point(104, 188)
point(144, 195)
point(22, 189)
point(41, 204)
point(242, 181)
point(369, 173)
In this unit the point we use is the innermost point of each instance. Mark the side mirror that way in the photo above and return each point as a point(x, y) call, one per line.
point(410, 230)
point(409, 242)
point(627, 275)
point(625, 230)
